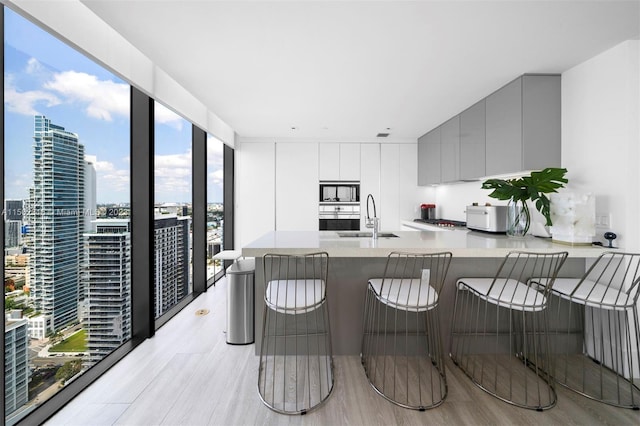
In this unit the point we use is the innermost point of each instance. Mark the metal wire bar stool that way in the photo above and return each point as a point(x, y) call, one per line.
point(499, 329)
point(402, 351)
point(596, 331)
point(296, 373)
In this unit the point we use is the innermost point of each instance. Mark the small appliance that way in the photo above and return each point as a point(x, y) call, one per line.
point(427, 211)
point(487, 218)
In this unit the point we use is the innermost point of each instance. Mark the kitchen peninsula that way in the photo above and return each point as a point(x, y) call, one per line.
point(353, 260)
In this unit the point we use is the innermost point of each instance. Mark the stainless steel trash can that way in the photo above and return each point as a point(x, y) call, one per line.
point(240, 302)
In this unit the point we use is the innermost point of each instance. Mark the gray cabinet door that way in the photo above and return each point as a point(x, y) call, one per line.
point(450, 150)
point(504, 129)
point(472, 142)
point(422, 160)
point(540, 121)
point(429, 158)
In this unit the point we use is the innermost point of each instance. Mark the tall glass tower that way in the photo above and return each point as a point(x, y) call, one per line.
point(108, 284)
point(171, 257)
point(56, 221)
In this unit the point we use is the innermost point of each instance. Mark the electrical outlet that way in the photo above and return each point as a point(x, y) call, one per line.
point(603, 221)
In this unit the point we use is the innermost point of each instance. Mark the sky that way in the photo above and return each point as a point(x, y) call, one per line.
point(45, 76)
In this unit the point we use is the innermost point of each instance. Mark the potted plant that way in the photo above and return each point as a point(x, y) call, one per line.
point(526, 188)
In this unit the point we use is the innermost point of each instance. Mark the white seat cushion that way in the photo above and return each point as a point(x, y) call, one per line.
point(407, 294)
point(508, 293)
point(592, 294)
point(295, 296)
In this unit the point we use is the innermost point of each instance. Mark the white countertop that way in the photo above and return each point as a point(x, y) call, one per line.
point(460, 242)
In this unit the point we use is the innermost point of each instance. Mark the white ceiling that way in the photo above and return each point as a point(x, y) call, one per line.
point(347, 70)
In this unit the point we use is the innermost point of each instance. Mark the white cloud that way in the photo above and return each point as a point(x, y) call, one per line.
point(25, 102)
point(113, 181)
point(104, 166)
point(215, 152)
point(164, 115)
point(109, 178)
point(34, 67)
point(102, 97)
point(173, 176)
point(216, 177)
point(173, 160)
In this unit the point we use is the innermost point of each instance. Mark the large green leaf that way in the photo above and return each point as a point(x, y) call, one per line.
point(531, 188)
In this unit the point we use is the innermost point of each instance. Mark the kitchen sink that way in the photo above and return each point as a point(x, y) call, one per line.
point(366, 234)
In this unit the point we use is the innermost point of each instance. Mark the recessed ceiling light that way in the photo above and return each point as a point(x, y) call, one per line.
point(294, 128)
point(382, 135)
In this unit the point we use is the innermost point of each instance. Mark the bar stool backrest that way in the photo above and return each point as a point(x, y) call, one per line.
point(612, 280)
point(408, 275)
point(520, 266)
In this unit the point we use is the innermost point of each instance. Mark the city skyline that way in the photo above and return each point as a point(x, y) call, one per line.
point(43, 76)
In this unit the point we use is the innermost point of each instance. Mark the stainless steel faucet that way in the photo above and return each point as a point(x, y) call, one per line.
point(372, 222)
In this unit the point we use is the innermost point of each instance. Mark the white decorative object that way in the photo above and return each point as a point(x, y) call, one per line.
point(574, 218)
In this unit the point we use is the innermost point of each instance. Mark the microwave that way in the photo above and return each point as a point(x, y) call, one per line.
point(339, 192)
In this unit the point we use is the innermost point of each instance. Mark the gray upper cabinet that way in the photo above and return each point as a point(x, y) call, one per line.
point(541, 127)
point(450, 150)
point(515, 129)
point(504, 129)
point(429, 158)
point(472, 142)
point(523, 125)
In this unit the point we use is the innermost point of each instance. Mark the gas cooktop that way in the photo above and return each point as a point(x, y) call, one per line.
point(443, 222)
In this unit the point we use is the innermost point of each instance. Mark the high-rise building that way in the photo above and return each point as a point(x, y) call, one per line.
point(12, 236)
point(16, 361)
point(171, 269)
point(90, 203)
point(56, 221)
point(107, 280)
point(13, 211)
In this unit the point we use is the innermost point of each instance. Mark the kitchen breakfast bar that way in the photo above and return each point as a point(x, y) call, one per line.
point(355, 259)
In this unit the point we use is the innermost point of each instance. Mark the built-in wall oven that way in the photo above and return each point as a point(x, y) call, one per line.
point(339, 206)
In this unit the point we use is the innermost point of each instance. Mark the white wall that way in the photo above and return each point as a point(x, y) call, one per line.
point(601, 137)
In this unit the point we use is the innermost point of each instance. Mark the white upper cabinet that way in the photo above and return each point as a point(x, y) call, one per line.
point(339, 161)
point(296, 190)
point(329, 161)
point(389, 203)
point(369, 178)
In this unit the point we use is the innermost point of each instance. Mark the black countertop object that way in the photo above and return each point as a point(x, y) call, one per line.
point(442, 222)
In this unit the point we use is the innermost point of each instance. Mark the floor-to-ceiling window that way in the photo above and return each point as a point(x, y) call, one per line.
point(172, 209)
point(215, 204)
point(72, 149)
point(67, 230)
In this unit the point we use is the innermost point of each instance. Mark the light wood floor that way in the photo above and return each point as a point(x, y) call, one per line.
point(188, 375)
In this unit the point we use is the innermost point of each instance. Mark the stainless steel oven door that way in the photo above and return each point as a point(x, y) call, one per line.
point(339, 224)
point(339, 217)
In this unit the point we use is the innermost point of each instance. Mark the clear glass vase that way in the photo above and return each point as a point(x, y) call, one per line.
point(518, 218)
